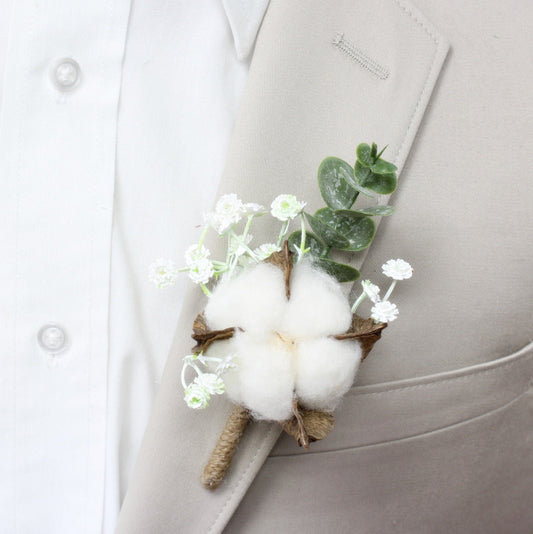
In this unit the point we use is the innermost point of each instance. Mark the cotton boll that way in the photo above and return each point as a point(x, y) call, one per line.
point(265, 375)
point(317, 306)
point(253, 301)
point(325, 371)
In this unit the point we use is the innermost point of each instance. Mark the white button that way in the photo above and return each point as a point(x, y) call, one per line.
point(52, 338)
point(66, 74)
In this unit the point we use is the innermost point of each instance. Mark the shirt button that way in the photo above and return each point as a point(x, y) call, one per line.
point(52, 338)
point(66, 74)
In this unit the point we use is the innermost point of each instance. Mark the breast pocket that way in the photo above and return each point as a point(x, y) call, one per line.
point(452, 452)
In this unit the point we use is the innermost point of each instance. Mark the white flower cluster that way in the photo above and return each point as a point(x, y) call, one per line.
point(201, 268)
point(229, 210)
point(284, 347)
point(286, 207)
point(163, 273)
point(198, 393)
point(397, 269)
point(385, 311)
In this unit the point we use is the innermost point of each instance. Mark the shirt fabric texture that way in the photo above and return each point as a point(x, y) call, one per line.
point(97, 182)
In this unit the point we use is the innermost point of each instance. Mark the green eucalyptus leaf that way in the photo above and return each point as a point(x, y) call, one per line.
point(358, 231)
point(383, 167)
point(383, 211)
point(318, 249)
point(343, 273)
point(374, 152)
point(326, 232)
point(384, 184)
point(334, 177)
point(363, 154)
point(361, 173)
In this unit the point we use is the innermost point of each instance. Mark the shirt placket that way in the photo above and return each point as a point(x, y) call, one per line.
point(57, 165)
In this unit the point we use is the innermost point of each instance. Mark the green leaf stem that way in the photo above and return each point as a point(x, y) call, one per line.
point(317, 248)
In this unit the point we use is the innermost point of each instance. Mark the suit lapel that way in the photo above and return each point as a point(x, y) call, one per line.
point(325, 76)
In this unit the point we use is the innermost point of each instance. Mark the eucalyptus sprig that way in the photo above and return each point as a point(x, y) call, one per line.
point(338, 225)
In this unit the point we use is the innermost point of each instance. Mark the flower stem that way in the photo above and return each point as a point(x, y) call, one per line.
point(203, 234)
point(358, 301)
point(206, 291)
point(389, 291)
point(183, 369)
point(302, 250)
point(283, 232)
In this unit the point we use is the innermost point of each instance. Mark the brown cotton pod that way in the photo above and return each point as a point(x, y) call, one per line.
point(366, 331)
point(204, 336)
point(283, 260)
point(307, 426)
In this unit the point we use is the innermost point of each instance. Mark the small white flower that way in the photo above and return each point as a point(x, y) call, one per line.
point(226, 364)
point(252, 207)
point(230, 205)
point(228, 211)
point(195, 254)
point(212, 383)
point(235, 247)
point(397, 269)
point(163, 273)
point(371, 290)
point(266, 250)
point(286, 207)
point(384, 312)
point(197, 396)
point(202, 271)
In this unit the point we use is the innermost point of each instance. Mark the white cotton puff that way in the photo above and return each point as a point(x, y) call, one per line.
point(253, 301)
point(265, 375)
point(325, 371)
point(317, 306)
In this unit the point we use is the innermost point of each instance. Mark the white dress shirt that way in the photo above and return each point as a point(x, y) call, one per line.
point(115, 116)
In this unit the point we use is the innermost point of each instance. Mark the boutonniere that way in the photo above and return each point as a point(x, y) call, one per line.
point(278, 336)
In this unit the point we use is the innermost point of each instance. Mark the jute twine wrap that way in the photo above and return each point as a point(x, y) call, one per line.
point(226, 446)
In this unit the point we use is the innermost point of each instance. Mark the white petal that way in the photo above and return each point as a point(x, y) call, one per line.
point(325, 371)
point(265, 376)
point(317, 306)
point(254, 301)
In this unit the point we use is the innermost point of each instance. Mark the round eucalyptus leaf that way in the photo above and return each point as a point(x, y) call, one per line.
point(383, 211)
point(383, 167)
point(358, 231)
point(363, 152)
point(327, 233)
point(343, 273)
point(334, 176)
point(318, 249)
point(361, 173)
point(383, 184)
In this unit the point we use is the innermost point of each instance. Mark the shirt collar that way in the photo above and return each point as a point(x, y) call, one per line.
point(245, 17)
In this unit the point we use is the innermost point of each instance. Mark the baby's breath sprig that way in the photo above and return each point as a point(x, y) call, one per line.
point(383, 310)
point(205, 384)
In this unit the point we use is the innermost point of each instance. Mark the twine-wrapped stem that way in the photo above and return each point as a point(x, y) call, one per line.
point(225, 448)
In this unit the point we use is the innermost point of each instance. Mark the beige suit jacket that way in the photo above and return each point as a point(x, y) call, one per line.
point(436, 436)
